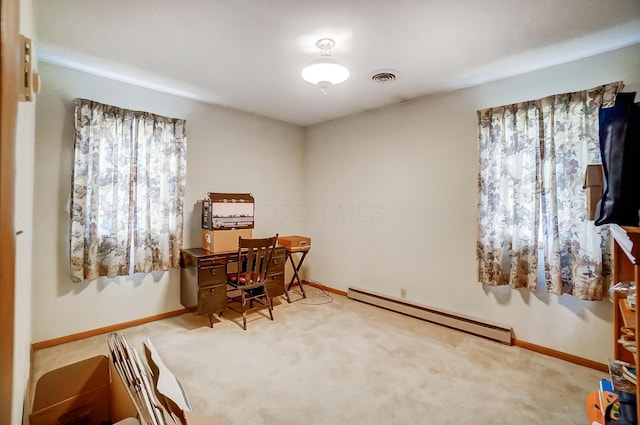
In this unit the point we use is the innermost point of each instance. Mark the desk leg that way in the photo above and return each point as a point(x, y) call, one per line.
point(296, 277)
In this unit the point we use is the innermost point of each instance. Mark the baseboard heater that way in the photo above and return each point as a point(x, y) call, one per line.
point(494, 331)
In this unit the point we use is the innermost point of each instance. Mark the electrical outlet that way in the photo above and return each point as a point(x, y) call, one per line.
point(403, 293)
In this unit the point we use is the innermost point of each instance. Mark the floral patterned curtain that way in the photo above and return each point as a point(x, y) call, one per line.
point(159, 190)
point(533, 158)
point(128, 190)
point(577, 254)
point(509, 195)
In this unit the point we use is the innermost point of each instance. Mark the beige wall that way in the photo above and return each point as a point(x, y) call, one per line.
point(392, 204)
point(227, 151)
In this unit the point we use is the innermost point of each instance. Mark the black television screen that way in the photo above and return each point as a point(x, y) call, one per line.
point(620, 151)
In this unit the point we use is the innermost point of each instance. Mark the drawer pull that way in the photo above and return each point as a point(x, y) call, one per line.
point(212, 290)
point(212, 271)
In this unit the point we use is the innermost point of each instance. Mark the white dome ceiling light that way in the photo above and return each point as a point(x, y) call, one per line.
point(326, 70)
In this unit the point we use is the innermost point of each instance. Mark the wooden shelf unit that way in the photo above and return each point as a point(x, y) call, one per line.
point(626, 268)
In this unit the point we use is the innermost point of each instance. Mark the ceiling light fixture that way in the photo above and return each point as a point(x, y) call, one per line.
point(326, 70)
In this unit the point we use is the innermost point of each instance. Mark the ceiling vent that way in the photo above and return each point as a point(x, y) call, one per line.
point(386, 76)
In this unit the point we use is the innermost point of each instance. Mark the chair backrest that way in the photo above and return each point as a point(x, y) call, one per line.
point(259, 253)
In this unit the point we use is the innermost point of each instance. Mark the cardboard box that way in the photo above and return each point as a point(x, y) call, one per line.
point(87, 392)
point(593, 185)
point(223, 240)
point(92, 392)
point(295, 243)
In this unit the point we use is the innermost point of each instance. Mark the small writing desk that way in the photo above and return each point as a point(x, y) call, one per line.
point(203, 278)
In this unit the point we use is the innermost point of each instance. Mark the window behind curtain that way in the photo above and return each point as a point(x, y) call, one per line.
point(128, 191)
point(533, 157)
point(509, 192)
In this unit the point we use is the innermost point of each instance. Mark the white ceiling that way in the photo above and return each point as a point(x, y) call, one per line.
point(248, 54)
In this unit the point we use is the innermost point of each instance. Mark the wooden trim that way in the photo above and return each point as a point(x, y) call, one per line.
point(107, 329)
point(9, 54)
point(28, 399)
point(561, 355)
point(326, 288)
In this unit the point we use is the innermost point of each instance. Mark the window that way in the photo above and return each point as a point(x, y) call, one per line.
point(533, 156)
point(128, 186)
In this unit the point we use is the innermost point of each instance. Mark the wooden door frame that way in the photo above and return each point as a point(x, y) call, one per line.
point(9, 63)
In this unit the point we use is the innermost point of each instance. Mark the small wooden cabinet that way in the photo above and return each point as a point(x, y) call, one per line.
point(203, 278)
point(626, 259)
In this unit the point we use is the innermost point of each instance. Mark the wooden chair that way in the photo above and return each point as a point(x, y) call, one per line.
point(249, 282)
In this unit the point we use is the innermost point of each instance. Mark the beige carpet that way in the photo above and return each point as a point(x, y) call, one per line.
point(344, 362)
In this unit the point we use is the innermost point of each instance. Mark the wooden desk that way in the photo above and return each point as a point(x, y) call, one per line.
point(203, 278)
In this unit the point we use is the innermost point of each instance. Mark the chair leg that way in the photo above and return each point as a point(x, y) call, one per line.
point(269, 302)
point(211, 320)
point(270, 307)
point(244, 312)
